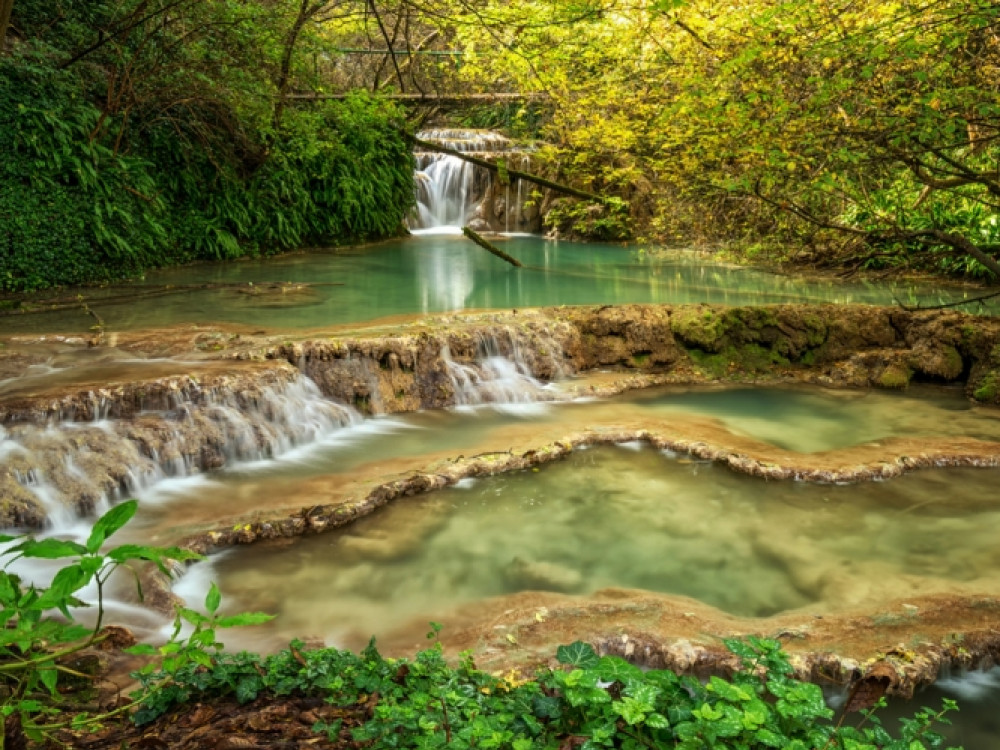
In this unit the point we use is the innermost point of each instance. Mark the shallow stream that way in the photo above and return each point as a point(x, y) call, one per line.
point(627, 516)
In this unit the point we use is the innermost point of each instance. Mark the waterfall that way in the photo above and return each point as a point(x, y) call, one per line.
point(452, 193)
point(84, 467)
point(500, 376)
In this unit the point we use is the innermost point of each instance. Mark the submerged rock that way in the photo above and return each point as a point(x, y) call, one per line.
point(542, 575)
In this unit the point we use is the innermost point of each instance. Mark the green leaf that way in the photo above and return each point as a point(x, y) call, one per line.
point(49, 678)
point(213, 599)
point(578, 654)
point(66, 581)
point(245, 618)
point(727, 691)
point(49, 549)
point(657, 721)
point(248, 687)
point(616, 669)
point(110, 522)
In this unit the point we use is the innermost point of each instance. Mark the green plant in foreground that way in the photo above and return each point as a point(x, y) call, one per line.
point(593, 702)
point(35, 642)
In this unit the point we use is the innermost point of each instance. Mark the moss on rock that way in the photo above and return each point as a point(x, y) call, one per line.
point(699, 326)
point(894, 376)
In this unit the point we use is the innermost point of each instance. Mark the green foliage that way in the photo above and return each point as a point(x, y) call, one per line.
point(606, 222)
point(35, 641)
point(131, 143)
point(595, 702)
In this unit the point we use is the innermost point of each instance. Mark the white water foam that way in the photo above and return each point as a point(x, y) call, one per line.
point(65, 464)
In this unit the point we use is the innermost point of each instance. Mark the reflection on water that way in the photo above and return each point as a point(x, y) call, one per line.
point(634, 518)
point(436, 273)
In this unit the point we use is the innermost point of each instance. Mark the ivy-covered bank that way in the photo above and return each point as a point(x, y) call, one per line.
point(138, 135)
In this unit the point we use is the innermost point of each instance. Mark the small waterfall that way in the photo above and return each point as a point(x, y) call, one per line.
point(452, 193)
point(84, 467)
point(500, 375)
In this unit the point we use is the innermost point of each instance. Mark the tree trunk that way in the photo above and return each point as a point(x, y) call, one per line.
point(490, 247)
point(6, 6)
point(306, 11)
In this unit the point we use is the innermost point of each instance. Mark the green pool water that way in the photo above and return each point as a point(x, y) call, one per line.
point(627, 517)
point(438, 273)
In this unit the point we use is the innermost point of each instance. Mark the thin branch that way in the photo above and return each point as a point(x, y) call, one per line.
point(960, 303)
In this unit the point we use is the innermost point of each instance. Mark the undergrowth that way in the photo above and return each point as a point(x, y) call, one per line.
point(589, 702)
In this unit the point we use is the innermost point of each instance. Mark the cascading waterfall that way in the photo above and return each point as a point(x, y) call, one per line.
point(500, 376)
point(84, 467)
point(452, 193)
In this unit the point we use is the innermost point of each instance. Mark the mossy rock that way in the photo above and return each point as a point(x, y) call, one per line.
point(988, 389)
point(984, 380)
point(894, 376)
point(749, 360)
point(942, 362)
point(700, 327)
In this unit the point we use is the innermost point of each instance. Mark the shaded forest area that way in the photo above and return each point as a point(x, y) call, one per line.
point(151, 132)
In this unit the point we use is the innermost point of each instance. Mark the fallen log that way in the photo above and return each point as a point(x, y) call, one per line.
point(490, 247)
point(512, 173)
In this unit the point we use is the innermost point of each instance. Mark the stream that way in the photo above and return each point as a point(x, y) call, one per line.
point(605, 518)
point(431, 273)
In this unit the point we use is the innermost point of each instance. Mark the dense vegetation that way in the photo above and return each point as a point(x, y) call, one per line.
point(147, 132)
point(866, 132)
point(591, 702)
point(144, 132)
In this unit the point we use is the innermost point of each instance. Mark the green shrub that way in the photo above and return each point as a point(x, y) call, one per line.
point(84, 198)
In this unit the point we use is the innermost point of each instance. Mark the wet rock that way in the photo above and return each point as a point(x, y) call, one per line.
point(19, 507)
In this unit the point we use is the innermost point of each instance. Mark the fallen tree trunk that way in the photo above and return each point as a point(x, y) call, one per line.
point(490, 247)
point(511, 173)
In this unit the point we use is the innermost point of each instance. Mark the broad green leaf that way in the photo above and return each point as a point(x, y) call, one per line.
point(728, 691)
point(616, 669)
point(577, 654)
point(68, 580)
point(49, 549)
point(110, 522)
point(213, 599)
point(246, 618)
point(657, 721)
point(49, 677)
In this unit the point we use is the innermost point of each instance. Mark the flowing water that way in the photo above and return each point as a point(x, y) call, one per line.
point(443, 273)
point(579, 527)
point(626, 516)
point(449, 189)
point(976, 726)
